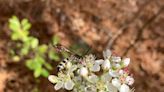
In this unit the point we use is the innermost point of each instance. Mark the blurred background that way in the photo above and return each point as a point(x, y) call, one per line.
point(130, 28)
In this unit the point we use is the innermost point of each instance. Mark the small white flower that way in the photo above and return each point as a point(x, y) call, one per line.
point(69, 85)
point(96, 65)
point(116, 82)
point(106, 64)
point(129, 80)
point(113, 73)
point(83, 71)
point(124, 88)
point(81, 75)
point(126, 62)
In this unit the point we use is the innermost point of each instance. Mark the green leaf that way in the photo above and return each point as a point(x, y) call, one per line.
point(38, 72)
point(39, 60)
point(14, 23)
point(24, 51)
point(45, 73)
point(33, 64)
point(19, 30)
point(34, 42)
point(42, 48)
point(55, 40)
point(48, 66)
point(30, 64)
point(53, 55)
point(26, 33)
point(25, 25)
point(14, 36)
point(24, 22)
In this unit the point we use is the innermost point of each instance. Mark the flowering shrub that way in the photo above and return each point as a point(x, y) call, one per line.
point(90, 75)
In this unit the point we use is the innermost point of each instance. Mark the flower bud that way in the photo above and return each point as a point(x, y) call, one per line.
point(126, 62)
point(121, 72)
point(106, 64)
point(129, 80)
point(83, 71)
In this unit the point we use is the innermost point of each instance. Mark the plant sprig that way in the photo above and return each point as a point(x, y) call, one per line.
point(30, 50)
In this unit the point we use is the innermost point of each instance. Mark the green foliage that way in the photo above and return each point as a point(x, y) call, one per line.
point(19, 29)
point(36, 55)
point(55, 40)
point(53, 55)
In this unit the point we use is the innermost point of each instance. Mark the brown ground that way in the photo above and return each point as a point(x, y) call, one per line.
point(133, 28)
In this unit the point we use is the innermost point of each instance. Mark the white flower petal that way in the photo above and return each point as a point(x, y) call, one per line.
point(93, 78)
point(116, 59)
point(124, 88)
point(111, 88)
point(126, 62)
point(106, 77)
point(95, 68)
point(117, 65)
point(73, 68)
point(107, 54)
point(78, 78)
point(106, 64)
point(113, 73)
point(58, 85)
point(116, 82)
point(83, 71)
point(69, 85)
point(53, 78)
point(100, 61)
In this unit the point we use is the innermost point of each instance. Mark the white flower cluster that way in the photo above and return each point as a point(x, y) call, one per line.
point(90, 75)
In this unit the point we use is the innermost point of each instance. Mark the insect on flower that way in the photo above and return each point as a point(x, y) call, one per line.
point(62, 64)
point(86, 74)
